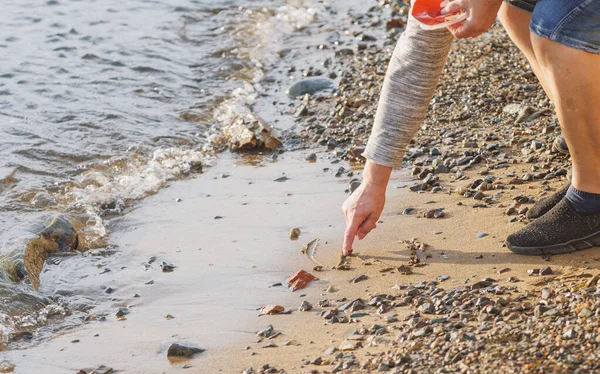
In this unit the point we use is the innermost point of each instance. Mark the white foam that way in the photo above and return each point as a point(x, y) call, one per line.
point(266, 35)
point(133, 179)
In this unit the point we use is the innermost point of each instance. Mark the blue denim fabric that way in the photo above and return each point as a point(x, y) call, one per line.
point(574, 23)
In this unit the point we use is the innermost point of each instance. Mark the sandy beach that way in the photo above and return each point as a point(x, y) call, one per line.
point(458, 301)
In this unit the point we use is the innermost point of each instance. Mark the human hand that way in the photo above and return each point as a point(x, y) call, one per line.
point(363, 207)
point(481, 15)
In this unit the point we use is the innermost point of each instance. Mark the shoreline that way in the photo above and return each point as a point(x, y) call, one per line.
point(224, 272)
point(475, 138)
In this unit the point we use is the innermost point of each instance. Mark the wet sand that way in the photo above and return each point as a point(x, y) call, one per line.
point(224, 267)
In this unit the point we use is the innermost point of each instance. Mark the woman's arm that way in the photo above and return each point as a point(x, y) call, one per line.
point(409, 85)
point(410, 82)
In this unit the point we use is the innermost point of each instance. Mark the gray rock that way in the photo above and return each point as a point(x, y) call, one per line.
point(102, 369)
point(310, 86)
point(266, 332)
point(305, 306)
point(360, 278)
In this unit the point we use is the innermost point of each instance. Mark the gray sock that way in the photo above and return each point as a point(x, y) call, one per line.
point(583, 202)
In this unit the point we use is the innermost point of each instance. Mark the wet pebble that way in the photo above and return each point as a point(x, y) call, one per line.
point(182, 351)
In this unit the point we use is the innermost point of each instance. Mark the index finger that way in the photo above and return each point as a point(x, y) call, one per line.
point(351, 231)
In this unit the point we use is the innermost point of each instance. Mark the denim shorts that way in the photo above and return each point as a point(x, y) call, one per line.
point(574, 23)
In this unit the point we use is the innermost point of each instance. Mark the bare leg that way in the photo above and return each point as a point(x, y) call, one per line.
point(571, 77)
point(516, 23)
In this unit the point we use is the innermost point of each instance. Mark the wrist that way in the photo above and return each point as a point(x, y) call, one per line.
point(376, 175)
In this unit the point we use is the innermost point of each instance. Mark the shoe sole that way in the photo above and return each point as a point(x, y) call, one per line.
point(569, 247)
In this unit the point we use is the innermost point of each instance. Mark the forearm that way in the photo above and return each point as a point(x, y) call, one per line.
point(410, 82)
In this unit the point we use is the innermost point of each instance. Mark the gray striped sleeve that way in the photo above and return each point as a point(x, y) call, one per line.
point(410, 82)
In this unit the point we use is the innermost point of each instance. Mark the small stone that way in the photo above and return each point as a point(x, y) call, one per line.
point(427, 308)
point(353, 185)
point(317, 361)
point(294, 233)
point(330, 351)
point(481, 284)
point(102, 369)
point(532, 272)
point(180, 350)
point(585, 313)
point(312, 158)
point(266, 332)
point(482, 235)
point(348, 345)
point(570, 333)
point(443, 278)
point(545, 293)
point(310, 86)
point(121, 313)
point(546, 270)
point(434, 213)
point(330, 289)
point(166, 267)
point(535, 145)
point(539, 310)
point(305, 306)
point(503, 270)
point(360, 278)
point(329, 314)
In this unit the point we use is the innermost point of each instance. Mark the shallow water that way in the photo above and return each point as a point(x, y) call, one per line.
point(103, 103)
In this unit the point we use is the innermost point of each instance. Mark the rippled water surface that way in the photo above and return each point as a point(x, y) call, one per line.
point(103, 102)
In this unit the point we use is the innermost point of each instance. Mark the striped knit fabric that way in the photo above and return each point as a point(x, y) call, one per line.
point(409, 85)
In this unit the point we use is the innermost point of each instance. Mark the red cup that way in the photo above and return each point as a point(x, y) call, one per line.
point(429, 14)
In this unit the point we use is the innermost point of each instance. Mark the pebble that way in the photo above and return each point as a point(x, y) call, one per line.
point(266, 332)
point(166, 267)
point(294, 233)
point(310, 86)
point(305, 306)
point(311, 158)
point(482, 235)
point(360, 278)
point(180, 350)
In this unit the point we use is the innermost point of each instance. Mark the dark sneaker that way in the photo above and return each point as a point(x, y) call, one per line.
point(561, 230)
point(560, 145)
point(544, 205)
